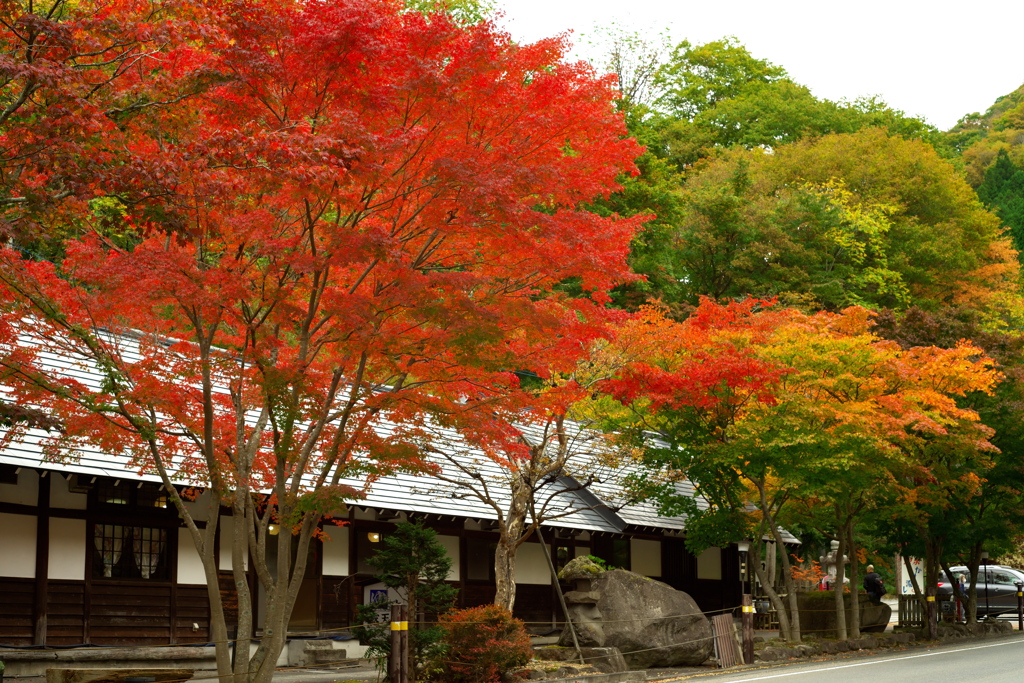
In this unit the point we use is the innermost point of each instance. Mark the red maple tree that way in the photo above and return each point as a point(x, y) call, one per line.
point(88, 90)
point(369, 218)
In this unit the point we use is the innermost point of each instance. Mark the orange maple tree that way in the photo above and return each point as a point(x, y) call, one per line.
point(371, 212)
point(760, 407)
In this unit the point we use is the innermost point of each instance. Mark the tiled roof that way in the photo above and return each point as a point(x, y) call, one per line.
point(600, 507)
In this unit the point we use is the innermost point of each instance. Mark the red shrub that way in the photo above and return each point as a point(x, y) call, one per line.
point(483, 643)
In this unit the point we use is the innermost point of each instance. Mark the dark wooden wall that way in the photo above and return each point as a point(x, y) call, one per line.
point(16, 597)
point(105, 613)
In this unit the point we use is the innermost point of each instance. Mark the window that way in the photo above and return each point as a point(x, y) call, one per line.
point(1002, 578)
point(614, 551)
point(130, 531)
point(129, 552)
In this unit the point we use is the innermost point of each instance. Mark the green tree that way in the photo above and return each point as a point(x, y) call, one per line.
point(696, 78)
point(1003, 191)
point(416, 566)
point(977, 138)
point(718, 95)
point(464, 11)
point(865, 218)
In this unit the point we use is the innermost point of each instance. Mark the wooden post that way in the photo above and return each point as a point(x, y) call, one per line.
point(1020, 605)
point(395, 656)
point(561, 596)
point(41, 592)
point(748, 629)
point(930, 616)
point(403, 635)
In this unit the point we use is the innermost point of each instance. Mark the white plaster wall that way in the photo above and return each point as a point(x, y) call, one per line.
point(364, 514)
point(531, 567)
point(709, 564)
point(227, 526)
point(336, 550)
point(451, 544)
point(18, 544)
point(190, 564)
point(582, 551)
point(645, 556)
point(62, 498)
point(198, 508)
point(68, 548)
point(25, 492)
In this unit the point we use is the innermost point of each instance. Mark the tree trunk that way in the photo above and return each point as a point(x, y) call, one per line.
point(785, 630)
point(513, 532)
point(851, 540)
point(504, 573)
point(768, 519)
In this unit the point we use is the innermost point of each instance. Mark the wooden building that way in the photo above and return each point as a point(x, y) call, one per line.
point(91, 553)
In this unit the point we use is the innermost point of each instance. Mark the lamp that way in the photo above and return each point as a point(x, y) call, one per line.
point(744, 548)
point(273, 529)
point(373, 536)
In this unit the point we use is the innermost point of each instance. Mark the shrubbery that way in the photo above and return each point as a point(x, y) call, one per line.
point(481, 644)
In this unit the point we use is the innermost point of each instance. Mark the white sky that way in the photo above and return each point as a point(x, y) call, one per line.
point(939, 59)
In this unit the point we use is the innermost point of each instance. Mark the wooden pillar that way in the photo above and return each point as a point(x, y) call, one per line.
point(930, 614)
point(395, 657)
point(748, 629)
point(42, 587)
point(403, 643)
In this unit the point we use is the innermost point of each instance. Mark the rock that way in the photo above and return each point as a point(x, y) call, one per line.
point(580, 568)
point(651, 623)
point(818, 615)
point(808, 650)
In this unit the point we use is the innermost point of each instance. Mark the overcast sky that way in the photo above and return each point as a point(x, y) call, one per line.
point(939, 59)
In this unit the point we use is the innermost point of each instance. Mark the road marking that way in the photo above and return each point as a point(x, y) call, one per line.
point(882, 661)
point(843, 666)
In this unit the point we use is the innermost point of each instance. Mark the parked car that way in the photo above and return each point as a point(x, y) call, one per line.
point(997, 588)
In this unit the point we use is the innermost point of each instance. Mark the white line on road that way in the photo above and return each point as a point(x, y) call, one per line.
point(883, 661)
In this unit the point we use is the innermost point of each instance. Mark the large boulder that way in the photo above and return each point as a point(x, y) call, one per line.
point(818, 613)
point(650, 622)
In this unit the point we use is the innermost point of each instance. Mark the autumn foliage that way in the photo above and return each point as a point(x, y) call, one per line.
point(765, 408)
point(364, 213)
point(483, 643)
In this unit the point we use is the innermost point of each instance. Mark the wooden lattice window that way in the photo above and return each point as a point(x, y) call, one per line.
point(129, 552)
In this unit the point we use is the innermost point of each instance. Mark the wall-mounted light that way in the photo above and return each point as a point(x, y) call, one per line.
point(273, 529)
point(374, 537)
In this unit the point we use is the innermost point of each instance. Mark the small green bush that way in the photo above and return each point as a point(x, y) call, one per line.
point(482, 643)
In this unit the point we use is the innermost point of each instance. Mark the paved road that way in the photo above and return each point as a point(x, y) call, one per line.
point(973, 662)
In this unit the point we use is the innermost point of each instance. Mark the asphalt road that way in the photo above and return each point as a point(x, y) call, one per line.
point(969, 662)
